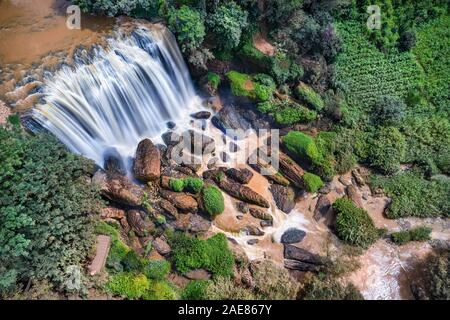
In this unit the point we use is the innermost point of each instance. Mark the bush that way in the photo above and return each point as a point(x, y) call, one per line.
point(117, 251)
point(274, 283)
point(195, 290)
point(224, 288)
point(437, 277)
point(285, 70)
point(193, 185)
point(329, 289)
point(312, 182)
point(413, 195)
point(302, 146)
point(415, 234)
point(176, 185)
point(160, 290)
point(387, 150)
point(45, 212)
point(296, 114)
point(132, 262)
point(227, 23)
point(389, 111)
point(242, 85)
point(127, 285)
point(308, 95)
point(188, 26)
point(214, 80)
point(213, 201)
point(157, 269)
point(213, 254)
point(354, 224)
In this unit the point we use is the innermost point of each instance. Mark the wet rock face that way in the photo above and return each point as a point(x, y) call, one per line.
point(138, 224)
point(291, 170)
point(252, 231)
point(180, 200)
point(228, 118)
point(354, 195)
point(243, 193)
point(323, 207)
point(114, 162)
point(118, 188)
point(284, 197)
point(293, 235)
point(201, 115)
point(147, 165)
point(294, 253)
point(240, 175)
point(260, 214)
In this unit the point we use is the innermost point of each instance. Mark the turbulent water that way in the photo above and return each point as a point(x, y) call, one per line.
point(127, 92)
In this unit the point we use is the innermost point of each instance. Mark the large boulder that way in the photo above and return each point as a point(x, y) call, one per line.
point(147, 164)
point(240, 175)
point(167, 209)
point(293, 235)
point(323, 207)
point(228, 118)
point(294, 253)
point(138, 223)
point(161, 246)
point(112, 213)
point(302, 266)
point(243, 193)
point(260, 214)
point(354, 195)
point(118, 188)
point(291, 170)
point(284, 197)
point(180, 200)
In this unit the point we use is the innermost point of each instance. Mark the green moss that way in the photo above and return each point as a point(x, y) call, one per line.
point(195, 290)
point(193, 185)
point(213, 254)
point(107, 229)
point(160, 290)
point(302, 146)
point(308, 95)
point(157, 269)
point(292, 115)
point(176, 185)
point(213, 201)
point(415, 234)
point(214, 80)
point(252, 55)
point(353, 224)
point(312, 182)
point(243, 85)
point(127, 285)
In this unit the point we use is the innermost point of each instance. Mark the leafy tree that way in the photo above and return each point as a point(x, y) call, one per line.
point(188, 25)
point(227, 23)
point(45, 206)
point(389, 110)
point(387, 149)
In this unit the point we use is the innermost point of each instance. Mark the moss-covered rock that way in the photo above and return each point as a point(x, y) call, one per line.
point(213, 201)
point(312, 182)
point(244, 85)
point(302, 146)
point(309, 96)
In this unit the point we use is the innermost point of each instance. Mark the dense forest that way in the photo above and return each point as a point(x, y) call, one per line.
point(343, 96)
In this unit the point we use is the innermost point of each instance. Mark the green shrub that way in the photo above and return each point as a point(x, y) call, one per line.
point(308, 95)
point(329, 289)
point(176, 185)
point(312, 182)
point(388, 111)
point(128, 285)
point(353, 224)
point(252, 55)
point(296, 114)
point(413, 195)
point(157, 269)
point(214, 80)
point(302, 146)
point(437, 280)
point(213, 254)
point(415, 234)
point(193, 185)
point(224, 288)
point(274, 283)
point(387, 149)
point(285, 70)
point(160, 290)
point(213, 201)
point(132, 262)
point(195, 290)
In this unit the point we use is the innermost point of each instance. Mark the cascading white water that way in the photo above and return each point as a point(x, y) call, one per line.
point(126, 93)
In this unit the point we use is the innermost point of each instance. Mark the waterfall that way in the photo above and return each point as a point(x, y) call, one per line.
point(128, 91)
